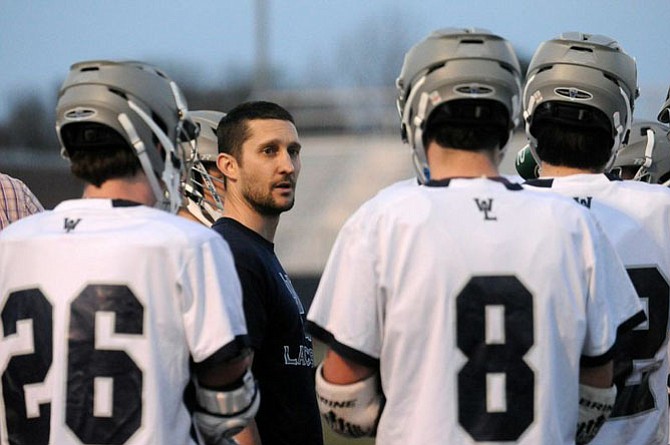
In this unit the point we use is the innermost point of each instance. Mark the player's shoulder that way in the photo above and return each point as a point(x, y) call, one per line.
point(409, 183)
point(561, 207)
point(653, 191)
point(389, 197)
point(175, 226)
point(398, 196)
point(26, 226)
point(179, 224)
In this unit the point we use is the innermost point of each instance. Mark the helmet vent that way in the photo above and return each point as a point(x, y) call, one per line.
point(89, 68)
point(507, 68)
point(581, 49)
point(434, 68)
point(473, 41)
point(613, 79)
point(118, 93)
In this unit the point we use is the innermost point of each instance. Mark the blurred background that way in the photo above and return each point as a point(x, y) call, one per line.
point(333, 64)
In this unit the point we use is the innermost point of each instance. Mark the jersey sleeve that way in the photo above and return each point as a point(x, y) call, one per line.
point(345, 312)
point(213, 314)
point(613, 305)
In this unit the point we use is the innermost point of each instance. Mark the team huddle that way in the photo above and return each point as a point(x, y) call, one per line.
point(461, 306)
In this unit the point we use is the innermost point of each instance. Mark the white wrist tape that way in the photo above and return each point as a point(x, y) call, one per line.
point(595, 406)
point(350, 410)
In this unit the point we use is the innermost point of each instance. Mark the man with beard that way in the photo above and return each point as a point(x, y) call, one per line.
point(259, 155)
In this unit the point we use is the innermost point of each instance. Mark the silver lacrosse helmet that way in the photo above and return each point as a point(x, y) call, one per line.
point(664, 114)
point(646, 157)
point(586, 79)
point(454, 64)
point(201, 189)
point(142, 106)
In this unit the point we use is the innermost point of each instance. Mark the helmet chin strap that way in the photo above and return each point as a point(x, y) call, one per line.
point(415, 140)
point(620, 129)
point(171, 174)
point(527, 114)
point(178, 99)
point(143, 157)
point(420, 160)
point(207, 215)
point(648, 156)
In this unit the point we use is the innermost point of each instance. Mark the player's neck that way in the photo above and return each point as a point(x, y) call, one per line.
point(553, 171)
point(241, 211)
point(448, 163)
point(136, 189)
point(184, 213)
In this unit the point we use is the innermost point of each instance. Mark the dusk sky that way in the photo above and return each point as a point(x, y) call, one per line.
point(211, 40)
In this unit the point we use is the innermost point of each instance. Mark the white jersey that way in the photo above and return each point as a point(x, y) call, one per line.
point(103, 308)
point(477, 299)
point(635, 217)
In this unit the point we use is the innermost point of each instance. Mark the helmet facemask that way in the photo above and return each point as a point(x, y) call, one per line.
point(202, 190)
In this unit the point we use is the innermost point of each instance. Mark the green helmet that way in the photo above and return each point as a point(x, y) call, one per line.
point(525, 164)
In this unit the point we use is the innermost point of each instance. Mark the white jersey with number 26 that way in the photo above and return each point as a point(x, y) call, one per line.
point(477, 299)
point(103, 307)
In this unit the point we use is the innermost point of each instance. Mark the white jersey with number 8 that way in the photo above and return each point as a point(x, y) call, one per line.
point(477, 299)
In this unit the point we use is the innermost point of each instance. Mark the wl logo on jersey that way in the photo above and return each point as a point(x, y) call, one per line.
point(70, 224)
point(486, 206)
point(585, 201)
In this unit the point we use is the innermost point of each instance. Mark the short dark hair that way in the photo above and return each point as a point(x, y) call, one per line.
point(468, 124)
point(562, 144)
point(572, 135)
point(233, 130)
point(98, 153)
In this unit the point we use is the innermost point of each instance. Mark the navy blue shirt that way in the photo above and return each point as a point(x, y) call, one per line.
point(283, 354)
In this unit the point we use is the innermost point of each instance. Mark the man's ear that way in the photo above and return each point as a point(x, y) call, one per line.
point(227, 164)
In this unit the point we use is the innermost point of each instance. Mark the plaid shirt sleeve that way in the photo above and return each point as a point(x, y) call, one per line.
point(16, 200)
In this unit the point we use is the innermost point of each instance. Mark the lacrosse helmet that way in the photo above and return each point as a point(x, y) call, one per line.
point(455, 64)
point(584, 80)
point(525, 164)
point(664, 114)
point(206, 207)
point(647, 154)
point(133, 103)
